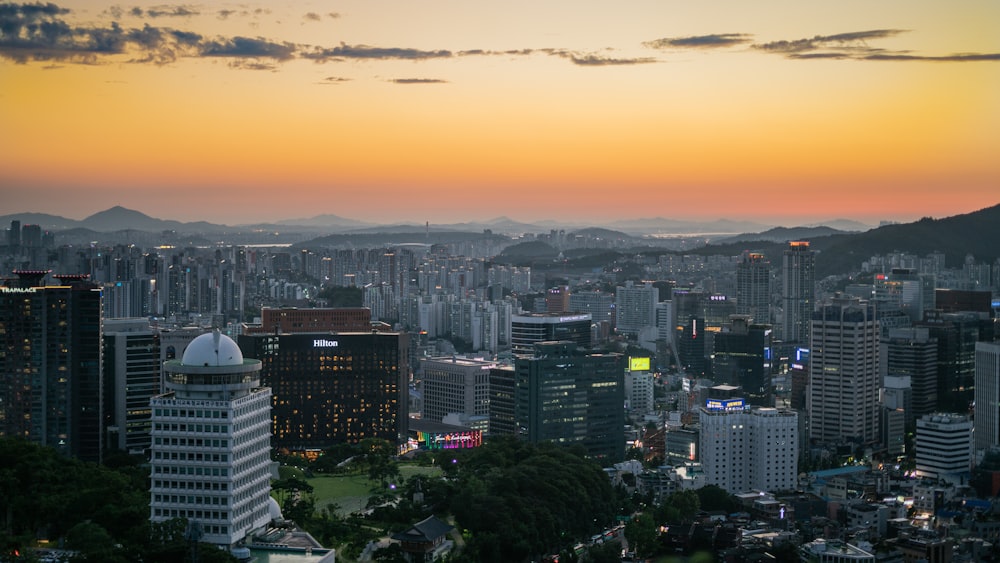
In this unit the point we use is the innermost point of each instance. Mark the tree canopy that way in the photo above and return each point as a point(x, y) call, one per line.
point(517, 499)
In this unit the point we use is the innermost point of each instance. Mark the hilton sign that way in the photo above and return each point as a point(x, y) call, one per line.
point(324, 343)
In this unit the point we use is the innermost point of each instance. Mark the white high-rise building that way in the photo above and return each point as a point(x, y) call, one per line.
point(745, 450)
point(211, 431)
point(635, 307)
point(844, 373)
point(987, 394)
point(453, 385)
point(639, 388)
point(944, 446)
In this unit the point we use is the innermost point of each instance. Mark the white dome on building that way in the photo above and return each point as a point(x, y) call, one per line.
point(273, 509)
point(212, 349)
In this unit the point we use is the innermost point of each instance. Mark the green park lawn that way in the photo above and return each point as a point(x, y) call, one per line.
point(350, 492)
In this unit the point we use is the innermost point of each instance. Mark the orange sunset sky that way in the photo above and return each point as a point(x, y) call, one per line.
point(783, 111)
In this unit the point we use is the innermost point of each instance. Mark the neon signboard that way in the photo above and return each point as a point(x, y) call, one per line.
point(725, 405)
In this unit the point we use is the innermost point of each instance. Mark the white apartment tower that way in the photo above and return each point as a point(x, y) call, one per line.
point(844, 373)
point(745, 450)
point(211, 431)
point(944, 446)
point(987, 394)
point(635, 307)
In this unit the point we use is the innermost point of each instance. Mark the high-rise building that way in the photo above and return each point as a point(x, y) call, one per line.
point(911, 352)
point(943, 446)
point(288, 320)
point(569, 396)
point(557, 299)
point(502, 390)
point(600, 306)
point(746, 449)
point(956, 335)
point(691, 339)
point(682, 445)
point(635, 307)
point(131, 378)
point(51, 368)
point(743, 357)
point(332, 388)
point(753, 287)
point(455, 385)
point(211, 458)
point(526, 330)
point(987, 425)
point(844, 373)
point(798, 290)
point(910, 291)
point(14, 234)
point(639, 386)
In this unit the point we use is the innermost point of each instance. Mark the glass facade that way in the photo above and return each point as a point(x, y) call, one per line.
point(333, 388)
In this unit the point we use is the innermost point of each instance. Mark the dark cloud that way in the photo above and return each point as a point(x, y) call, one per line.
point(418, 81)
point(179, 11)
point(597, 60)
point(333, 15)
point(345, 51)
point(34, 32)
point(334, 80)
point(187, 38)
point(30, 11)
point(312, 16)
point(252, 65)
point(224, 14)
point(713, 41)
point(854, 44)
point(956, 58)
point(242, 47)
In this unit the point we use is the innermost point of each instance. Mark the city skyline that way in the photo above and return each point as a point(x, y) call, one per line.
point(394, 112)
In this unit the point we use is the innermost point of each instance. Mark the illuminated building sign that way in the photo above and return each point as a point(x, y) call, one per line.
point(18, 289)
point(725, 404)
point(574, 318)
point(324, 343)
point(449, 440)
point(638, 364)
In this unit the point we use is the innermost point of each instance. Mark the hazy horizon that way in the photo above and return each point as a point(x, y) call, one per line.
point(488, 219)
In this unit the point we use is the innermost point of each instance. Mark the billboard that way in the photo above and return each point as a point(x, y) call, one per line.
point(638, 364)
point(725, 404)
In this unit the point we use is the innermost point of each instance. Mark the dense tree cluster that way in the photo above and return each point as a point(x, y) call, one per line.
point(100, 511)
point(515, 500)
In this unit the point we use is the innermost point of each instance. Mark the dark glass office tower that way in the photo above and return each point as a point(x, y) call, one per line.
point(798, 291)
point(331, 388)
point(526, 330)
point(51, 366)
point(131, 378)
point(742, 358)
point(569, 396)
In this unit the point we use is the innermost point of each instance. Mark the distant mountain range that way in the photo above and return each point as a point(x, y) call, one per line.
point(974, 234)
point(842, 247)
point(119, 218)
